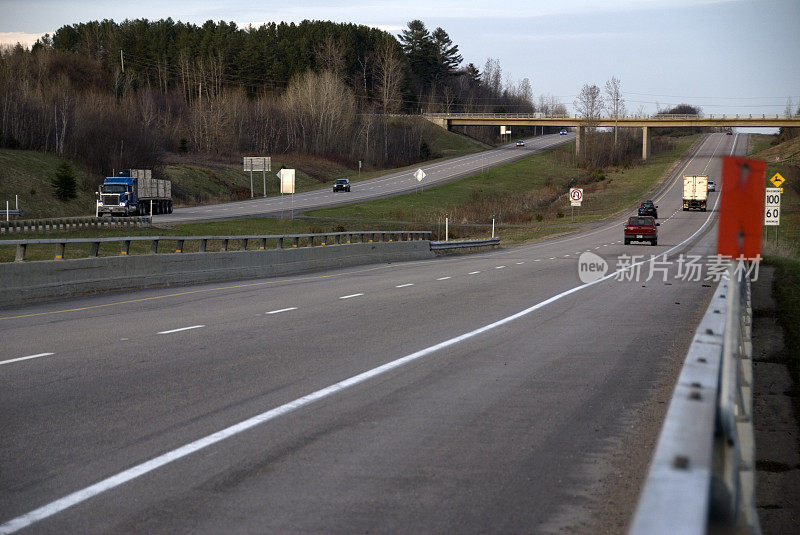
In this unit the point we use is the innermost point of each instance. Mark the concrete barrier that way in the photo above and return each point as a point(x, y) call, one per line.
point(32, 281)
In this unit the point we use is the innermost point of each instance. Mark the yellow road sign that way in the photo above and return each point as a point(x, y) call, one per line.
point(777, 180)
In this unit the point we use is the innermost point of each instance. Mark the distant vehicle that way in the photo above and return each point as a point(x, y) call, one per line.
point(648, 208)
point(563, 132)
point(133, 192)
point(520, 143)
point(712, 186)
point(695, 192)
point(341, 184)
point(729, 132)
point(641, 228)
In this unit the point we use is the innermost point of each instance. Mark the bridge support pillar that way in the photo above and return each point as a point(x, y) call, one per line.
point(645, 143)
point(578, 139)
point(439, 121)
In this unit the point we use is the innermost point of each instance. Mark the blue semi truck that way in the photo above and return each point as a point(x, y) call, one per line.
point(134, 192)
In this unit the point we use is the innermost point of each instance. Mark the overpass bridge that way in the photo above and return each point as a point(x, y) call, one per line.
point(448, 120)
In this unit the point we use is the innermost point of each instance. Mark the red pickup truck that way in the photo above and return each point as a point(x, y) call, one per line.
point(641, 228)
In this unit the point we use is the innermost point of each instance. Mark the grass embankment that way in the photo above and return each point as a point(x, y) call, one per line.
point(196, 179)
point(528, 197)
point(783, 252)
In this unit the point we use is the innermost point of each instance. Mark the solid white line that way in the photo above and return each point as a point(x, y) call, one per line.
point(182, 329)
point(121, 478)
point(404, 285)
point(473, 272)
point(442, 278)
point(349, 296)
point(26, 358)
point(281, 310)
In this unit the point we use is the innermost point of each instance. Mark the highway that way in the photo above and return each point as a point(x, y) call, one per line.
point(384, 186)
point(467, 394)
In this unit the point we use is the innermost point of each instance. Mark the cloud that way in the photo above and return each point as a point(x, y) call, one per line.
point(12, 38)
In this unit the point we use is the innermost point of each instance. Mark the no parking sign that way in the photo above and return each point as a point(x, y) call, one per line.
point(576, 196)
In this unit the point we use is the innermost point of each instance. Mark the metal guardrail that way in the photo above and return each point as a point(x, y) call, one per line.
point(460, 244)
point(665, 116)
point(70, 223)
point(702, 476)
point(15, 213)
point(297, 240)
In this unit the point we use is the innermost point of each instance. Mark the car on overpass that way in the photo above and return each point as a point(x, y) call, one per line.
point(641, 228)
point(341, 184)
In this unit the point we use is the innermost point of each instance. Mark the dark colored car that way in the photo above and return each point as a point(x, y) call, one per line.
point(729, 132)
point(641, 228)
point(648, 208)
point(341, 184)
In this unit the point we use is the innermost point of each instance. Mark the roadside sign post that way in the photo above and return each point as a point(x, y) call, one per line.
point(287, 185)
point(575, 198)
point(446, 227)
point(492, 226)
point(772, 208)
point(258, 163)
point(419, 174)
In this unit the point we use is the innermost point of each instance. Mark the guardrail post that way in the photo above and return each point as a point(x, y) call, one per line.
point(126, 247)
point(244, 244)
point(224, 247)
point(94, 249)
point(20, 256)
point(311, 240)
point(263, 244)
point(296, 241)
point(154, 247)
point(179, 246)
point(203, 245)
point(61, 250)
point(279, 243)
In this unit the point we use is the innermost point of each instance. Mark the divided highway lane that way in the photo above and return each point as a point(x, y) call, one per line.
point(501, 430)
point(385, 186)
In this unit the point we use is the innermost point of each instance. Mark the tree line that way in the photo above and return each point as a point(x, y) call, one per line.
point(116, 95)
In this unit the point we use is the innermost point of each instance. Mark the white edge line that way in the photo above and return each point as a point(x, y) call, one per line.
point(104, 485)
point(182, 329)
point(281, 310)
point(349, 296)
point(39, 355)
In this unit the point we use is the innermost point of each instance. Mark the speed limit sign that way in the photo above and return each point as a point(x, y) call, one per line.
point(576, 196)
point(772, 207)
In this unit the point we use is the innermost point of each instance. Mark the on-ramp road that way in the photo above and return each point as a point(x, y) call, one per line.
point(480, 393)
point(384, 186)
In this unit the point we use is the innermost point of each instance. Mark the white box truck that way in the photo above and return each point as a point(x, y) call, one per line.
point(695, 192)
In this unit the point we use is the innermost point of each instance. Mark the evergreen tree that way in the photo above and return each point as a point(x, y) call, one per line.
point(64, 182)
point(447, 53)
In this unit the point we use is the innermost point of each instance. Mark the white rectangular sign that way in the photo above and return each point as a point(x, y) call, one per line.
point(576, 196)
point(772, 207)
point(258, 163)
point(287, 180)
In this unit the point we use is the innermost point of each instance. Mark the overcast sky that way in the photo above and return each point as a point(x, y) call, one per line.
point(726, 56)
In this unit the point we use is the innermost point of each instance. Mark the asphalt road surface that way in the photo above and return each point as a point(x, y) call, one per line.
point(463, 394)
point(387, 185)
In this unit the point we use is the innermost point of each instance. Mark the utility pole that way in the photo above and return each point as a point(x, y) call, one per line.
point(121, 60)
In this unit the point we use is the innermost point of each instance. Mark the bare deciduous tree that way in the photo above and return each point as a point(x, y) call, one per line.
point(589, 104)
point(616, 103)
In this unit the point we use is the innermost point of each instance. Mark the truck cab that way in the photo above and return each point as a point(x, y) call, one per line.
point(118, 196)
